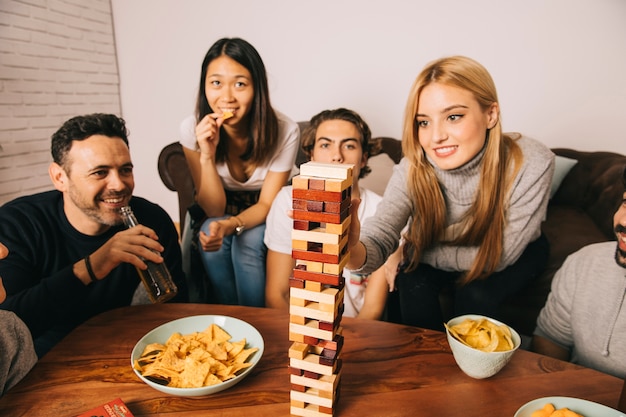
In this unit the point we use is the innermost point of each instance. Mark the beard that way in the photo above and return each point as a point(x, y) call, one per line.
point(620, 254)
point(620, 257)
point(94, 211)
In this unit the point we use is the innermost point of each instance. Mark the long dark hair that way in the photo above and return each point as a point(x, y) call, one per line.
point(263, 125)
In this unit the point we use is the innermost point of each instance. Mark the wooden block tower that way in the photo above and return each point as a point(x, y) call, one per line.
point(321, 220)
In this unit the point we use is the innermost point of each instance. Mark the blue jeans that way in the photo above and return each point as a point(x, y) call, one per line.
point(237, 270)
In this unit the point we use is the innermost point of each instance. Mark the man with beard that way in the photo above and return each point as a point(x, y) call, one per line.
point(71, 255)
point(584, 319)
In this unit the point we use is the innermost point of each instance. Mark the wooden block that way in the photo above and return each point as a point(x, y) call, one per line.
point(326, 170)
point(336, 249)
point(327, 325)
point(295, 371)
point(339, 229)
point(318, 235)
point(323, 383)
point(310, 266)
point(334, 207)
point(310, 340)
point(295, 301)
point(300, 182)
point(298, 388)
point(337, 268)
point(295, 318)
point(315, 256)
point(299, 204)
point(312, 311)
point(310, 410)
point(311, 328)
point(299, 244)
point(311, 396)
point(311, 363)
point(335, 344)
point(329, 279)
point(313, 286)
point(316, 183)
point(317, 195)
point(298, 404)
point(299, 350)
point(329, 353)
point(296, 337)
point(336, 218)
point(326, 300)
point(326, 296)
point(311, 374)
point(296, 282)
point(304, 225)
point(326, 206)
point(337, 184)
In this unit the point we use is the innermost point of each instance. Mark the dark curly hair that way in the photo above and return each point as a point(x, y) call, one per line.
point(82, 127)
point(369, 147)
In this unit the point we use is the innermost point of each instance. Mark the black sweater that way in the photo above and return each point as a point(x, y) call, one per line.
point(43, 247)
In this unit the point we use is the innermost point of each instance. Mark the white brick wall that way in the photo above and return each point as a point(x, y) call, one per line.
point(57, 60)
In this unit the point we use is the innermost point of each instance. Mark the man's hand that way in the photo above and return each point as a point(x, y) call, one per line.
point(128, 246)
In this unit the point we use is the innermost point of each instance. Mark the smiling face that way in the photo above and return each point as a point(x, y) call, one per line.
point(96, 182)
point(452, 126)
point(229, 89)
point(619, 222)
point(339, 141)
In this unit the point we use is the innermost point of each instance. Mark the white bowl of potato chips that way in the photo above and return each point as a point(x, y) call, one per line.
point(481, 346)
point(197, 355)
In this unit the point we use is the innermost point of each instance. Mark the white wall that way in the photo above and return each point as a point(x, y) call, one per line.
point(560, 65)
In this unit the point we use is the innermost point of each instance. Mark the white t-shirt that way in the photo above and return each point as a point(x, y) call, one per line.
point(278, 238)
point(284, 160)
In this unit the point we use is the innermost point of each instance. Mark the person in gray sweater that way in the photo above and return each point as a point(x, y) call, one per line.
point(474, 199)
point(584, 319)
point(17, 353)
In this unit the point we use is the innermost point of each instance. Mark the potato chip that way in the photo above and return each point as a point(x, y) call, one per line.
point(483, 335)
point(227, 114)
point(194, 360)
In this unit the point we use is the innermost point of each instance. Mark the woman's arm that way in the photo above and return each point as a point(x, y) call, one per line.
point(278, 270)
point(210, 193)
point(375, 296)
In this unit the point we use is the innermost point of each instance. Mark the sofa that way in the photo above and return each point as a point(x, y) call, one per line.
point(587, 189)
point(579, 213)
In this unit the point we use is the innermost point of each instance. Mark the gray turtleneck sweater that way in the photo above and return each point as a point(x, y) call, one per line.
point(529, 200)
point(586, 309)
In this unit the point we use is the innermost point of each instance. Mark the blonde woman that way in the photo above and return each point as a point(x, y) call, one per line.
point(474, 198)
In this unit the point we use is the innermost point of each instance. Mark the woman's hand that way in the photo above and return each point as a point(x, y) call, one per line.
point(213, 241)
point(207, 135)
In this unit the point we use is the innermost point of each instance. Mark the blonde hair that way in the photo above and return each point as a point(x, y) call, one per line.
point(484, 222)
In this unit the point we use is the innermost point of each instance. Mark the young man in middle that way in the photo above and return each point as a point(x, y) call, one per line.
point(334, 136)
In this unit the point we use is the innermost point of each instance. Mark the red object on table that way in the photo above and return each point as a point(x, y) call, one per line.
point(115, 408)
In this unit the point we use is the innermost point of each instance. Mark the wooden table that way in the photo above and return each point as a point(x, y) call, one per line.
point(388, 370)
